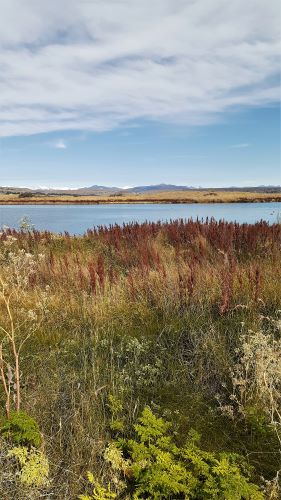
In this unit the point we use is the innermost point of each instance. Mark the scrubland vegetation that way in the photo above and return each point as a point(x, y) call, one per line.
point(208, 196)
point(141, 361)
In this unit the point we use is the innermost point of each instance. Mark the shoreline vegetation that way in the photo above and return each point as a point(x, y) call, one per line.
point(155, 197)
point(141, 361)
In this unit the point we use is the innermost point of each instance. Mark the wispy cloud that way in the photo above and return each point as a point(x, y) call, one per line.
point(60, 144)
point(94, 66)
point(240, 146)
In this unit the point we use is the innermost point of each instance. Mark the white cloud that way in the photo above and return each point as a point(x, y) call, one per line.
point(96, 65)
point(60, 144)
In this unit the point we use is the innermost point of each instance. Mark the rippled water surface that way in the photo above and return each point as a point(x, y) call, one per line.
point(77, 219)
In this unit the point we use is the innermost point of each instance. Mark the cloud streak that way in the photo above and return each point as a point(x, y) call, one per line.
point(60, 144)
point(98, 65)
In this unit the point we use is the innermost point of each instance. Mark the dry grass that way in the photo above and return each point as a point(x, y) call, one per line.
point(152, 314)
point(157, 197)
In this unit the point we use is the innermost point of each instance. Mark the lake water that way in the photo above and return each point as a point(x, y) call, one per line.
point(76, 219)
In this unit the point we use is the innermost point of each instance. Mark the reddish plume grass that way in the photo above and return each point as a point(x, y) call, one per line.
point(92, 277)
point(191, 280)
point(132, 287)
point(227, 283)
point(100, 269)
point(257, 284)
point(218, 254)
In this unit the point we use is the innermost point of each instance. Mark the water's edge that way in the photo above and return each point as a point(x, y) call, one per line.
point(77, 218)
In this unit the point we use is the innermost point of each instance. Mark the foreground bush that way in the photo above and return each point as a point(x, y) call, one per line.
point(25, 467)
point(33, 466)
point(22, 429)
point(154, 466)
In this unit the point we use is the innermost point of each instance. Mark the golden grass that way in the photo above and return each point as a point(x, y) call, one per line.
point(156, 197)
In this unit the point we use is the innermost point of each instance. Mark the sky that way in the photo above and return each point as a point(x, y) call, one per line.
point(125, 93)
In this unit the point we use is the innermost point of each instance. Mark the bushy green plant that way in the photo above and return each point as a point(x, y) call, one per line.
point(116, 408)
point(258, 420)
point(21, 429)
point(34, 466)
point(98, 491)
point(155, 467)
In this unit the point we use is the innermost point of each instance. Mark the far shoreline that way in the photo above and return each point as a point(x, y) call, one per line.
point(99, 203)
point(186, 197)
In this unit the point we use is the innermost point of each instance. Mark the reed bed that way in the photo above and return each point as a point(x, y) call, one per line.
point(188, 196)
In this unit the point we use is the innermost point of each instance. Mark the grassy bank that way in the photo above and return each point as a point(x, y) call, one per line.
point(157, 197)
point(183, 318)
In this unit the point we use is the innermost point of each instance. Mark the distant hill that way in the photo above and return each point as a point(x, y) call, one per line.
point(158, 187)
point(96, 190)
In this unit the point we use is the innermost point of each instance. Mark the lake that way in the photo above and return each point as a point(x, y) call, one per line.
point(76, 219)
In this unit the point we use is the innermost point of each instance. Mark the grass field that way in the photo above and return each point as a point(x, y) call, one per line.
point(181, 318)
point(157, 197)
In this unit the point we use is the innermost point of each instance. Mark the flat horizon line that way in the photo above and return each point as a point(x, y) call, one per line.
point(125, 188)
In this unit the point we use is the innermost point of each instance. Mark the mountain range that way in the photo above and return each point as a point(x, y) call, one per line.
point(99, 190)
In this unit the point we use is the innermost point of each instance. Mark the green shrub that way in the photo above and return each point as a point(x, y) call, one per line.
point(21, 429)
point(34, 466)
point(155, 467)
point(98, 492)
point(258, 420)
point(116, 409)
point(26, 195)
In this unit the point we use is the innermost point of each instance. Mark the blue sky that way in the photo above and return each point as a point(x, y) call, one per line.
point(126, 93)
point(242, 150)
